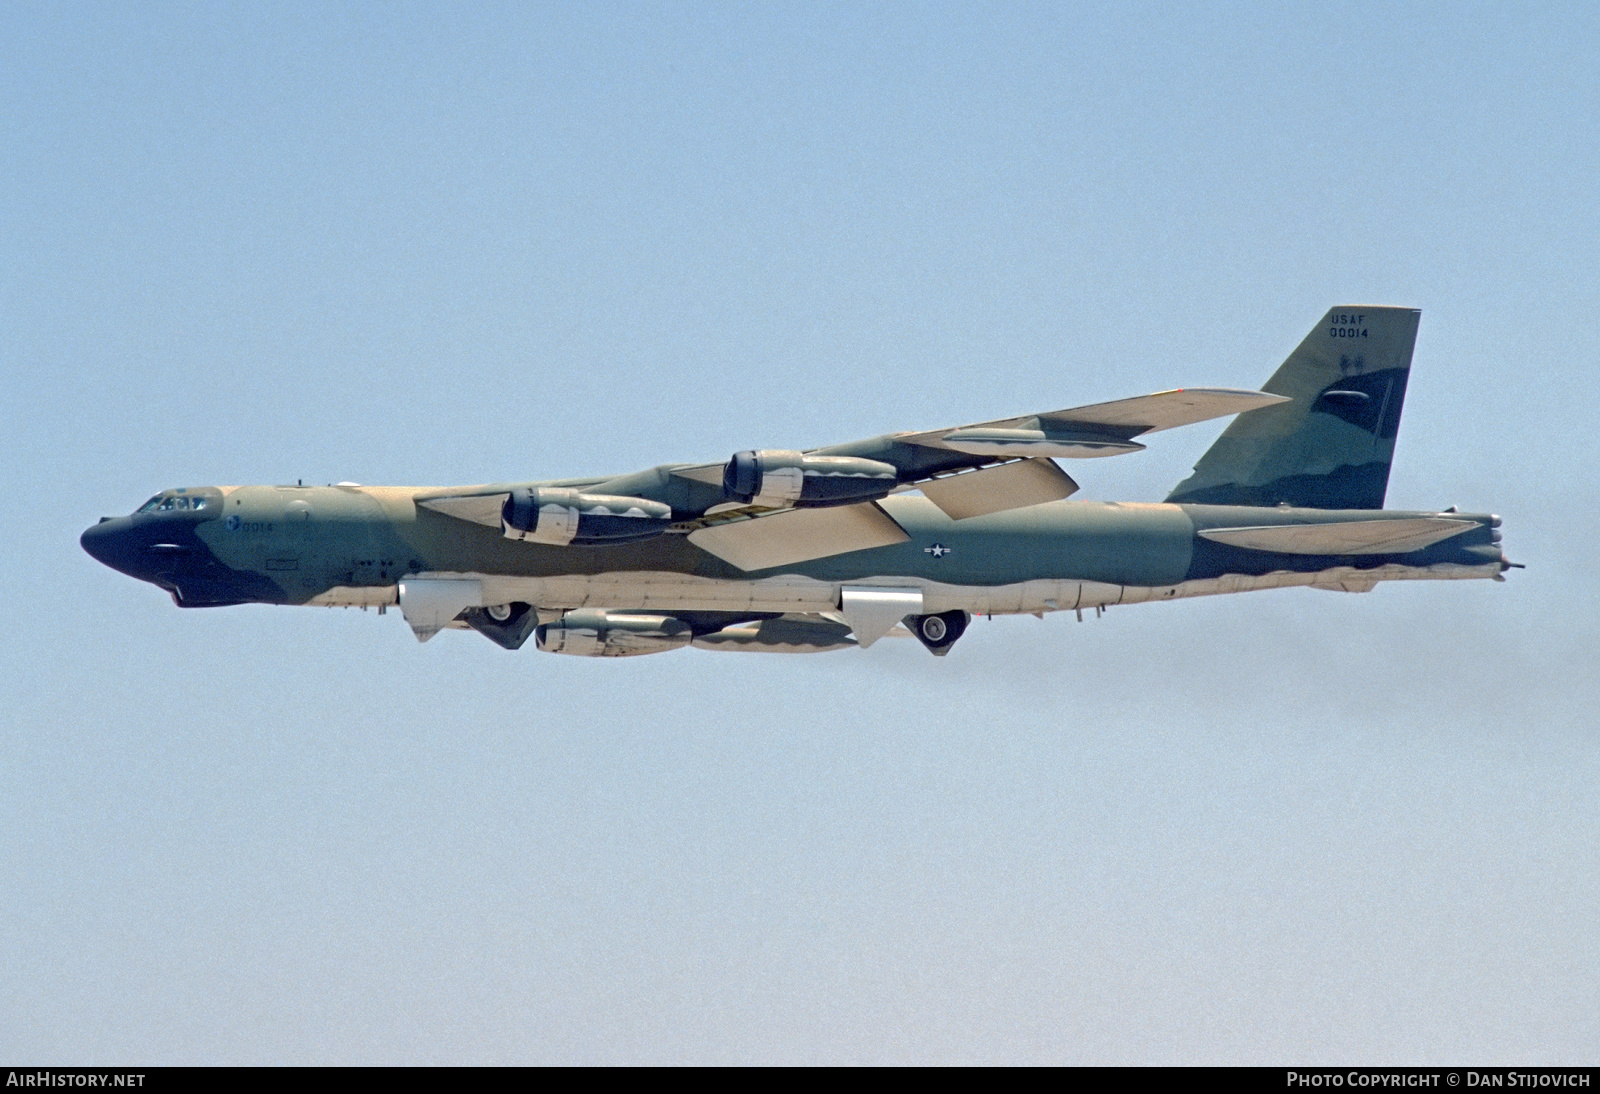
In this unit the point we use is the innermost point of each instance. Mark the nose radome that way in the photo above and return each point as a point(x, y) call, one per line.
point(93, 540)
point(106, 542)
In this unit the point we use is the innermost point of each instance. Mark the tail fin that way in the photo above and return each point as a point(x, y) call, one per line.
point(1331, 447)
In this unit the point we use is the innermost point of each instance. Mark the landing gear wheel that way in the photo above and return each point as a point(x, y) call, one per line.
point(939, 632)
point(506, 625)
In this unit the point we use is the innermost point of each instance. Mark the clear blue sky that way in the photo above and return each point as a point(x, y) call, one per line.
point(445, 244)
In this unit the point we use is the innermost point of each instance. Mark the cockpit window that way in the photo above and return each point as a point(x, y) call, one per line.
point(162, 504)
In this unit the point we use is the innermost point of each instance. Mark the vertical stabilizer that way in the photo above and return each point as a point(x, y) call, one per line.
point(1331, 447)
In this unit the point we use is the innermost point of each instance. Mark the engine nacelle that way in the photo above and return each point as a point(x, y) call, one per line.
point(780, 479)
point(561, 515)
point(591, 632)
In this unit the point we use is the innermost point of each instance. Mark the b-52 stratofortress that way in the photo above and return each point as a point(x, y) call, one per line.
point(788, 551)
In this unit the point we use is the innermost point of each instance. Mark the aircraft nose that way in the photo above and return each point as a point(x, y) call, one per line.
point(107, 543)
point(93, 540)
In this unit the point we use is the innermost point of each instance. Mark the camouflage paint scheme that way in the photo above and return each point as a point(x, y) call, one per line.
point(1290, 494)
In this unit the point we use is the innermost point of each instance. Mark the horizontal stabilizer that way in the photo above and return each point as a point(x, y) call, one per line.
point(1351, 537)
point(798, 535)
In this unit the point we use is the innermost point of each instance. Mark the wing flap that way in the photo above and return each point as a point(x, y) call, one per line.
point(478, 508)
point(1349, 537)
point(708, 473)
point(1004, 486)
point(798, 535)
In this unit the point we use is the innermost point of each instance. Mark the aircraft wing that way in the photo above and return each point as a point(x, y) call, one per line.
point(1101, 429)
point(968, 471)
point(1167, 409)
point(771, 508)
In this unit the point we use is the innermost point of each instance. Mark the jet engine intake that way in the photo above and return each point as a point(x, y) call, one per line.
point(592, 632)
point(782, 479)
point(561, 515)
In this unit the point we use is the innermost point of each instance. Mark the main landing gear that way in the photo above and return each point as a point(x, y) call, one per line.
point(939, 632)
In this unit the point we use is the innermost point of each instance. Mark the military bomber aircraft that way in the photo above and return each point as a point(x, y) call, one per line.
point(787, 551)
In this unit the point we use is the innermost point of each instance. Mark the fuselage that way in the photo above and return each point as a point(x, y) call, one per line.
point(786, 550)
point(356, 546)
